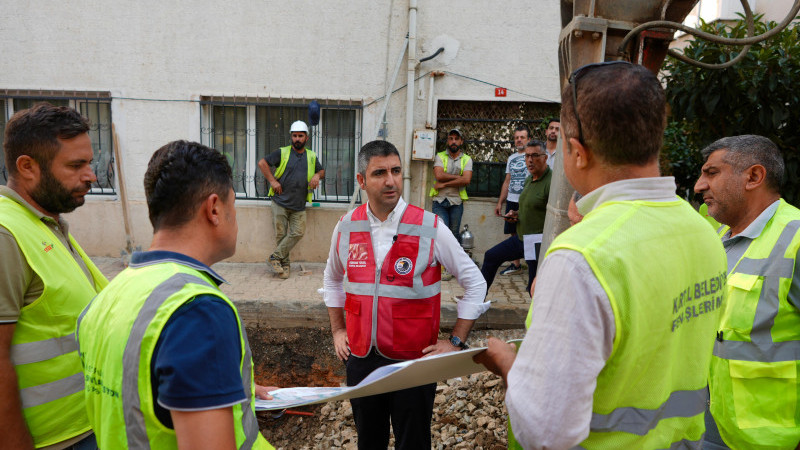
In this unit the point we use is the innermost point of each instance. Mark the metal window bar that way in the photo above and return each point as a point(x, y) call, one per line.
point(335, 141)
point(96, 108)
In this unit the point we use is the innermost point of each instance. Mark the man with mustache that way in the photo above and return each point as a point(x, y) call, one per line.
point(453, 172)
point(297, 172)
point(553, 128)
point(45, 280)
point(529, 219)
point(384, 270)
point(753, 381)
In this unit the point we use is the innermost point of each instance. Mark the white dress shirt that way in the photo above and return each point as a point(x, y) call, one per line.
point(551, 384)
point(446, 251)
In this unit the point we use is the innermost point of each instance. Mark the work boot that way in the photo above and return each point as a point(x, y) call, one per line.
point(276, 264)
point(286, 270)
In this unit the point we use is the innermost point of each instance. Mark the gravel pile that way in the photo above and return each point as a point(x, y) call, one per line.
point(469, 413)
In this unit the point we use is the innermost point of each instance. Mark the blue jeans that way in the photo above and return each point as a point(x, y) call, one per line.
point(451, 215)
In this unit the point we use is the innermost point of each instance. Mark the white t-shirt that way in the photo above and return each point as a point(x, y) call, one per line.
point(516, 167)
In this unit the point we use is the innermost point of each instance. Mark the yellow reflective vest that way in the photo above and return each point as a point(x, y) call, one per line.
point(43, 348)
point(464, 159)
point(311, 163)
point(664, 274)
point(755, 394)
point(117, 335)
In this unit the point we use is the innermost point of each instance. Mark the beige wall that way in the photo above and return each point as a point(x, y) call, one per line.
point(98, 227)
point(157, 59)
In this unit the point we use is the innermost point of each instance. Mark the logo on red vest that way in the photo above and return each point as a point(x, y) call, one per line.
point(47, 247)
point(357, 255)
point(403, 265)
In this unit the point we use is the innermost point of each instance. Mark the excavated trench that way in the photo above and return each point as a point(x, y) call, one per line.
point(468, 414)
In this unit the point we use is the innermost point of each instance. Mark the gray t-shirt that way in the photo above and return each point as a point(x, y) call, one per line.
point(294, 180)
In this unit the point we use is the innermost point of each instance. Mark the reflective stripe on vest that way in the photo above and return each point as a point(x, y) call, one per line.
point(311, 164)
point(772, 268)
point(650, 393)
point(380, 290)
point(464, 159)
point(640, 421)
point(140, 431)
point(755, 372)
point(32, 352)
point(43, 348)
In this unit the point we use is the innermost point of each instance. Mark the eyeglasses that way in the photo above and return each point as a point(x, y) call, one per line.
point(535, 155)
point(573, 80)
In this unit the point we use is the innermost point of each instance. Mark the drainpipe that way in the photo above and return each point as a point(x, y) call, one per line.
point(412, 66)
point(431, 122)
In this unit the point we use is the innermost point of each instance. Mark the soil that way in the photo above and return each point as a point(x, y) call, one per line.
point(469, 413)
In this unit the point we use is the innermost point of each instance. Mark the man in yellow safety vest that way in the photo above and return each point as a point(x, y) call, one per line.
point(297, 171)
point(165, 356)
point(618, 350)
point(754, 370)
point(46, 280)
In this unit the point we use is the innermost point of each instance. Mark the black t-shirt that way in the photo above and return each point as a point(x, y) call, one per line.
point(294, 180)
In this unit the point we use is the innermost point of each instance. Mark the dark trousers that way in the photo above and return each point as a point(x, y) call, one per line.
point(508, 250)
point(410, 410)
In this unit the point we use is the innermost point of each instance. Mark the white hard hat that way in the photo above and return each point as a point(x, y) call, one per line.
point(299, 126)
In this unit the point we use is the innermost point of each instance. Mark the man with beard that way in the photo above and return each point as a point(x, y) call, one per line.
point(45, 280)
point(383, 269)
point(553, 128)
point(753, 377)
point(453, 172)
point(297, 172)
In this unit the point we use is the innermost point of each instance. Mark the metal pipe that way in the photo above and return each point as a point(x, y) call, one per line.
point(434, 55)
point(412, 67)
point(388, 94)
point(431, 121)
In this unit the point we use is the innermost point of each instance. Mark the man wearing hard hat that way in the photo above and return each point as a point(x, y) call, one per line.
point(293, 172)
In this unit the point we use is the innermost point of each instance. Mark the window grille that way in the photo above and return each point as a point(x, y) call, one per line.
point(246, 131)
point(95, 106)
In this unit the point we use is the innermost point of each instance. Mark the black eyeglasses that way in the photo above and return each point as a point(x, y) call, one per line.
point(573, 80)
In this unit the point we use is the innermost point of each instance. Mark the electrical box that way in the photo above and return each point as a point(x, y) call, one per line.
point(424, 145)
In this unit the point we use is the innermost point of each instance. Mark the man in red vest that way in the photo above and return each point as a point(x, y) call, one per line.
point(384, 270)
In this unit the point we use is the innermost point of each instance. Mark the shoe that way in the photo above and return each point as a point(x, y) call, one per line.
point(511, 269)
point(286, 270)
point(276, 265)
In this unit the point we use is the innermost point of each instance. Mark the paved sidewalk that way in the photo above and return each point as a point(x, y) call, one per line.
point(265, 300)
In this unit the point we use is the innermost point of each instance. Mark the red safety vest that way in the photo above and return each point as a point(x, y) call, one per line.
point(395, 309)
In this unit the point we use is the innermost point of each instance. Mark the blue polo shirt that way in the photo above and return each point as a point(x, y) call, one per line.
point(195, 365)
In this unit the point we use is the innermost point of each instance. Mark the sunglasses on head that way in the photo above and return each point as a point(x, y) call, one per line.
point(573, 80)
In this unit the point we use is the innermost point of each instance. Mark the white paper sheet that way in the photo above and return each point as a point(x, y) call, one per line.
point(530, 241)
point(389, 378)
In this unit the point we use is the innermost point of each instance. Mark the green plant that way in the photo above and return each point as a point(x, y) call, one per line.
point(759, 95)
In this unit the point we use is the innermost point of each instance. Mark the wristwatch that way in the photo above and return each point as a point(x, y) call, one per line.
point(456, 341)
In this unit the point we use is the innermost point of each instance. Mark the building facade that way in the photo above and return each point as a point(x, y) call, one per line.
point(235, 75)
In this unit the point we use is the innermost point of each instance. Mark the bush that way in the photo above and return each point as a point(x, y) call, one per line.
point(758, 95)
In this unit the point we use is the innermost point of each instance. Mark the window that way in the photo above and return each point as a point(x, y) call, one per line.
point(246, 131)
point(95, 106)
